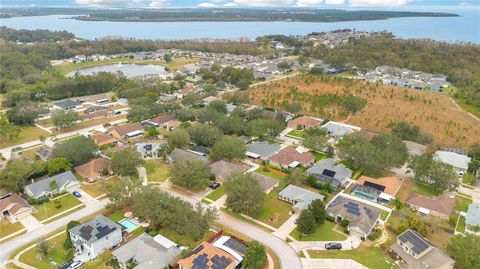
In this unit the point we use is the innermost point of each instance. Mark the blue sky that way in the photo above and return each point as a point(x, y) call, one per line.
point(384, 4)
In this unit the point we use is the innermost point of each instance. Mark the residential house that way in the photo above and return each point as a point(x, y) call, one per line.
point(102, 139)
point(93, 237)
point(457, 160)
point(289, 157)
point(362, 217)
point(266, 183)
point(328, 171)
point(147, 252)
point(185, 155)
point(206, 101)
point(128, 131)
point(441, 206)
point(262, 150)
point(223, 169)
point(206, 256)
point(232, 246)
point(68, 104)
point(337, 129)
point(387, 186)
point(416, 252)
point(95, 169)
point(64, 182)
point(230, 108)
point(304, 122)
point(300, 198)
point(163, 121)
point(45, 153)
point(149, 150)
point(472, 220)
point(13, 207)
point(415, 149)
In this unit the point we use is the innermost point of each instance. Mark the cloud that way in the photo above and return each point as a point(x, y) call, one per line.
point(377, 3)
point(159, 4)
point(215, 1)
point(334, 2)
point(102, 2)
point(464, 3)
point(265, 3)
point(230, 5)
point(207, 5)
point(306, 3)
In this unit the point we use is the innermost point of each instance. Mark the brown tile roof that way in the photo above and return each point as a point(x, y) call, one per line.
point(391, 184)
point(308, 122)
point(13, 203)
point(223, 169)
point(127, 128)
point(289, 155)
point(443, 204)
point(103, 139)
point(163, 118)
point(93, 168)
point(207, 256)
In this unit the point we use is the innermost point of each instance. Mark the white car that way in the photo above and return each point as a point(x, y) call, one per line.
point(76, 264)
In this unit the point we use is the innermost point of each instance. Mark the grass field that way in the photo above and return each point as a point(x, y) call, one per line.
point(371, 257)
point(157, 170)
point(298, 134)
point(461, 204)
point(89, 123)
point(99, 187)
point(271, 206)
point(409, 186)
point(48, 209)
point(99, 262)
point(319, 155)
point(461, 224)
point(56, 254)
point(28, 133)
point(436, 114)
point(323, 232)
point(216, 194)
point(7, 228)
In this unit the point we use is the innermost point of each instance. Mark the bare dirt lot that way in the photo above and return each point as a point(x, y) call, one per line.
point(434, 113)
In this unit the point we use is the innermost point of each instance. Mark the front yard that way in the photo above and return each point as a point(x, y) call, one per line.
point(7, 228)
point(216, 194)
point(50, 209)
point(323, 232)
point(296, 134)
point(275, 212)
point(157, 170)
point(27, 133)
point(461, 224)
point(462, 203)
point(99, 187)
point(56, 254)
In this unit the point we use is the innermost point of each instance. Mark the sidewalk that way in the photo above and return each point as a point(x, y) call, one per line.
point(331, 264)
point(287, 227)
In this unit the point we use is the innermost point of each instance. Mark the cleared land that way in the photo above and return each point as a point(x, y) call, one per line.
point(436, 114)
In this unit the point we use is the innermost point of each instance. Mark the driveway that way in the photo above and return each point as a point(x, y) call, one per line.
point(30, 223)
point(86, 198)
point(331, 264)
point(475, 193)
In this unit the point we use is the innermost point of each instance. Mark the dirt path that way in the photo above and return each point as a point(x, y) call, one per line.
point(461, 108)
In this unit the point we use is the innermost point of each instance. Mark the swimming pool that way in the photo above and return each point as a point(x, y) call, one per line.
point(128, 224)
point(364, 196)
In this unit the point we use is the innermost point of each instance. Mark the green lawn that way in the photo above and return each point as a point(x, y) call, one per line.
point(157, 171)
point(372, 257)
point(99, 262)
point(99, 187)
point(27, 133)
point(298, 134)
point(49, 209)
point(469, 179)
point(216, 194)
point(278, 175)
point(184, 240)
point(7, 228)
point(384, 215)
point(271, 206)
point(117, 216)
point(323, 232)
point(56, 254)
point(319, 155)
point(461, 224)
point(461, 204)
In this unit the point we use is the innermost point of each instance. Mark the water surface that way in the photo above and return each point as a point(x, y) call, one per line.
point(129, 70)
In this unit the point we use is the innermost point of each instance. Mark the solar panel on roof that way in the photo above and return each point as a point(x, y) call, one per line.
point(220, 262)
point(200, 262)
point(329, 173)
point(419, 244)
point(86, 232)
point(195, 251)
point(104, 230)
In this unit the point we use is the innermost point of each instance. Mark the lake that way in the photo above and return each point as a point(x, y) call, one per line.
point(465, 28)
point(129, 70)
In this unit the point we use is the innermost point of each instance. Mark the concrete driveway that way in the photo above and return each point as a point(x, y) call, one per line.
point(331, 264)
point(30, 223)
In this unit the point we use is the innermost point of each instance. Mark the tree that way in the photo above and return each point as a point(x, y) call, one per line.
point(53, 186)
point(25, 112)
point(231, 125)
point(167, 57)
point(178, 138)
point(315, 142)
point(294, 107)
point(318, 211)
point(228, 147)
point(123, 193)
point(203, 134)
point(255, 256)
point(440, 176)
point(475, 151)
point(68, 242)
point(7, 130)
point(191, 174)
point(218, 105)
point(297, 176)
point(306, 223)
point(410, 132)
point(265, 128)
point(43, 247)
point(353, 103)
point(464, 250)
point(126, 161)
point(64, 118)
point(77, 150)
point(284, 65)
point(244, 195)
point(16, 173)
point(418, 225)
point(58, 165)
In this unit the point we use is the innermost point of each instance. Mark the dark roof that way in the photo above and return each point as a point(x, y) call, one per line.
point(200, 149)
point(95, 229)
point(418, 243)
point(67, 103)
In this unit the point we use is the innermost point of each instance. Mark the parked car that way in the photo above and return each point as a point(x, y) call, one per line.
point(106, 124)
point(214, 185)
point(66, 265)
point(77, 194)
point(76, 265)
point(332, 245)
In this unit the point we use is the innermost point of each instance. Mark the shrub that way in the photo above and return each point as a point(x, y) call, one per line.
point(346, 230)
point(375, 234)
point(344, 223)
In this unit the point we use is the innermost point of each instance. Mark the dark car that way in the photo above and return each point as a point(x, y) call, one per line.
point(66, 264)
point(76, 194)
point(333, 246)
point(214, 185)
point(106, 124)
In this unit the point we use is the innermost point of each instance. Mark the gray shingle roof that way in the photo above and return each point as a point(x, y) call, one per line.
point(263, 149)
point(41, 186)
point(223, 169)
point(95, 229)
point(473, 214)
point(265, 182)
point(302, 196)
point(454, 159)
point(67, 103)
point(336, 130)
point(327, 170)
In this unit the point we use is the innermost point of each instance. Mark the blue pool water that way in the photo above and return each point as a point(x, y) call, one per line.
point(128, 224)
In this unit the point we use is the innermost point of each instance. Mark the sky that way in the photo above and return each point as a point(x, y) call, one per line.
point(372, 4)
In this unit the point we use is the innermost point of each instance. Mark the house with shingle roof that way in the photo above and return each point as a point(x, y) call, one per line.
point(262, 150)
point(185, 155)
point(456, 160)
point(416, 252)
point(388, 186)
point(266, 183)
point(441, 206)
point(65, 181)
point(13, 207)
point(329, 171)
point(67, 104)
point(300, 198)
point(337, 129)
point(45, 153)
point(472, 220)
point(128, 131)
point(163, 120)
point(102, 139)
point(289, 157)
point(93, 237)
point(94, 169)
point(148, 252)
point(206, 256)
point(223, 169)
point(304, 122)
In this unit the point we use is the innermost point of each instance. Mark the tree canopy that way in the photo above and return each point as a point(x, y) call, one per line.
point(464, 250)
point(228, 147)
point(78, 150)
point(191, 174)
point(126, 161)
point(255, 257)
point(244, 195)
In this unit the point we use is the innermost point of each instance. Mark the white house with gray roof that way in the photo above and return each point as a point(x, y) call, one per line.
point(329, 171)
point(337, 129)
point(262, 150)
point(300, 198)
point(65, 182)
point(67, 104)
point(472, 220)
point(457, 160)
point(148, 252)
point(93, 237)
